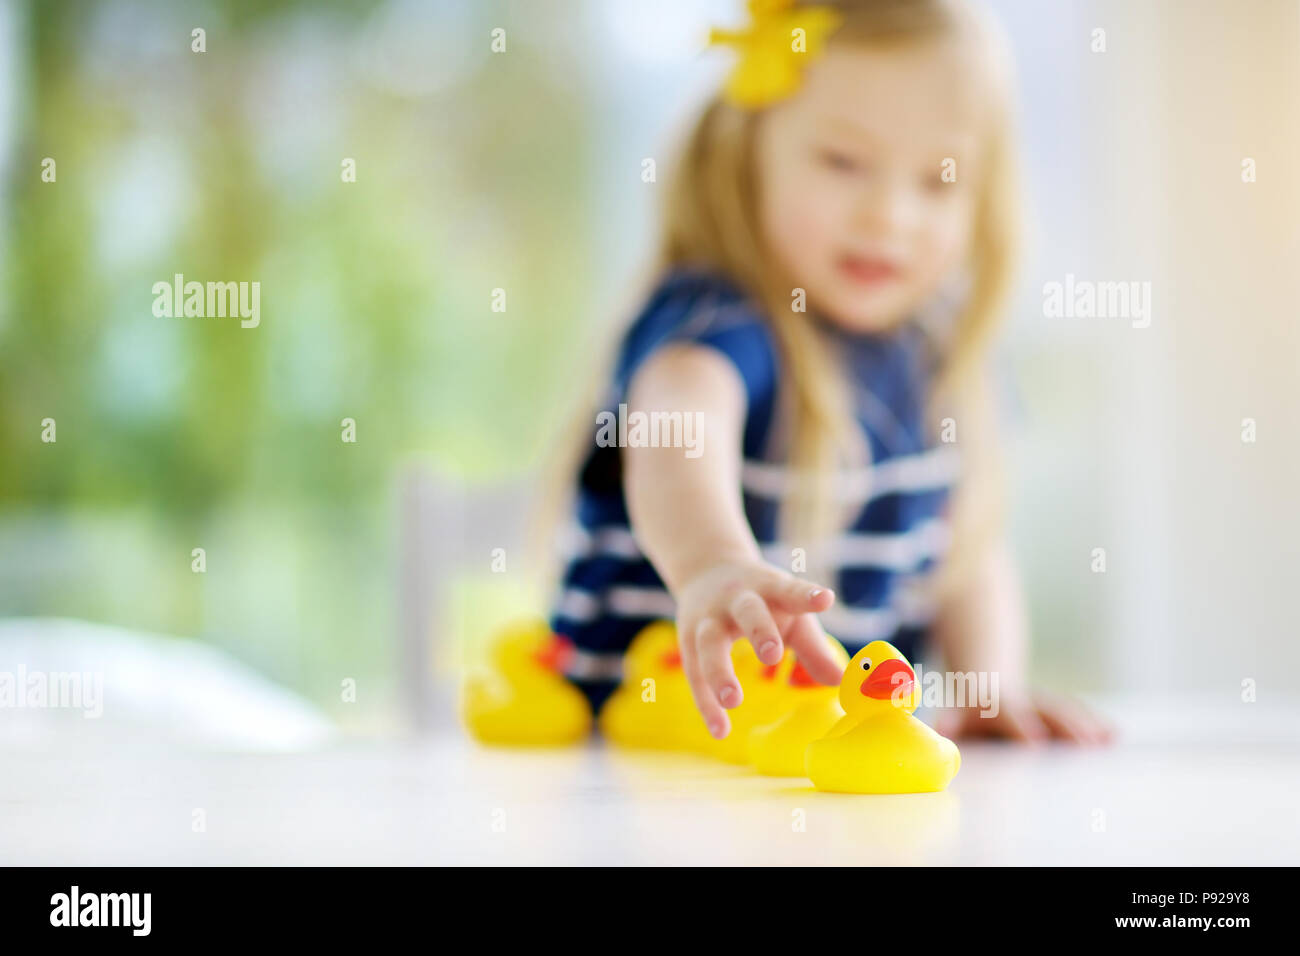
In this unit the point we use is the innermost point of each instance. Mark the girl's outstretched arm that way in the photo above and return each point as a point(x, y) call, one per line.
point(689, 520)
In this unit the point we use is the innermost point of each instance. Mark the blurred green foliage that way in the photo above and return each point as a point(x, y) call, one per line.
point(375, 301)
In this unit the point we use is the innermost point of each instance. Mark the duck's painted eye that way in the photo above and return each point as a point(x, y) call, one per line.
point(866, 663)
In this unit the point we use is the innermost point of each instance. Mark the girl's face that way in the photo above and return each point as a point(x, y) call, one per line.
point(853, 199)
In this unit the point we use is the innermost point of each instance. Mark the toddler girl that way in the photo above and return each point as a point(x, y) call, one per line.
point(838, 241)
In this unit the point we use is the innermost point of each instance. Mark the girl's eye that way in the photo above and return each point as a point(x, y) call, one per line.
point(838, 161)
point(935, 184)
point(866, 663)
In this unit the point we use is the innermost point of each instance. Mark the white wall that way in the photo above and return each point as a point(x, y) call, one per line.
point(1132, 439)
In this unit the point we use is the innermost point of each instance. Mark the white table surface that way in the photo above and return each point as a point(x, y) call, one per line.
point(1183, 787)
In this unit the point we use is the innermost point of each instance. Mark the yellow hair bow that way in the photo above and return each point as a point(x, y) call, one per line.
point(774, 49)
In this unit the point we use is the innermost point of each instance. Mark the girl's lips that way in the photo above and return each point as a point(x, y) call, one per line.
point(868, 269)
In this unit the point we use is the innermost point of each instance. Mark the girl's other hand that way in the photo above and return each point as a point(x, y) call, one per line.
point(1028, 718)
point(750, 600)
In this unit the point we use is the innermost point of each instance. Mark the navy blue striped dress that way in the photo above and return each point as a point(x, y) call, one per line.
point(610, 591)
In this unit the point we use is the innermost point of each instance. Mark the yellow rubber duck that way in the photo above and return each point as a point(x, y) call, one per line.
point(878, 746)
point(653, 707)
point(777, 749)
point(526, 701)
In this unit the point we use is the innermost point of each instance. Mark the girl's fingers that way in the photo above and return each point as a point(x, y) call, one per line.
point(713, 655)
point(1046, 718)
point(754, 620)
point(707, 634)
point(814, 650)
point(794, 596)
point(1070, 721)
point(1062, 727)
point(1019, 723)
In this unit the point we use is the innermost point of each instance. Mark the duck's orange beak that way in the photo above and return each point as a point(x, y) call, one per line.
point(888, 678)
point(801, 678)
point(556, 653)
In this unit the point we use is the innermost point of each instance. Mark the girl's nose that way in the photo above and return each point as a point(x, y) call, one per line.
point(888, 208)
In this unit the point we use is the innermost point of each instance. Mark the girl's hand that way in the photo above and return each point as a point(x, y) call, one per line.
point(1028, 718)
point(748, 599)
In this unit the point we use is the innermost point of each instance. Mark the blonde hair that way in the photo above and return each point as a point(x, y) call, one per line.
point(711, 220)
